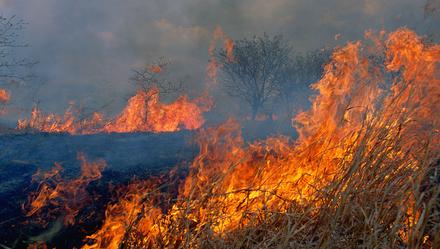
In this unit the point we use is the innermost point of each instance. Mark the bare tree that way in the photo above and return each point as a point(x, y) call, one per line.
point(11, 67)
point(431, 7)
point(431, 15)
point(153, 76)
point(10, 64)
point(302, 71)
point(152, 80)
point(256, 69)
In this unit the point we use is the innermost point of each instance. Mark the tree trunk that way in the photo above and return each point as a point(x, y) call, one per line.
point(255, 109)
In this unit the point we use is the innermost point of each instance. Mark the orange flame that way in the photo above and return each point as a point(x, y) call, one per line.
point(64, 197)
point(212, 68)
point(123, 213)
point(69, 123)
point(155, 69)
point(143, 113)
point(4, 96)
point(229, 45)
point(231, 185)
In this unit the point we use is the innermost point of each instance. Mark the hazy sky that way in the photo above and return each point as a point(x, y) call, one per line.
point(87, 48)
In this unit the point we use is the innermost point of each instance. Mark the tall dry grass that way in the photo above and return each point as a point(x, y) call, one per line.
point(382, 197)
point(364, 172)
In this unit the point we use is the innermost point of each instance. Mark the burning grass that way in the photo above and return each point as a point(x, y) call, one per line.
point(364, 172)
point(4, 98)
point(57, 197)
point(143, 113)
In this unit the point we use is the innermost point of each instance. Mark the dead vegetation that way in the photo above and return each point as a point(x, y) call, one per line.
point(364, 172)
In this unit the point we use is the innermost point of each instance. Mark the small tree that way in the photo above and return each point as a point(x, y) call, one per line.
point(152, 81)
point(10, 64)
point(303, 71)
point(153, 76)
point(431, 7)
point(256, 70)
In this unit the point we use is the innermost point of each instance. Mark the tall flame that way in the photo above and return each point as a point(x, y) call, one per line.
point(374, 115)
point(212, 68)
point(144, 112)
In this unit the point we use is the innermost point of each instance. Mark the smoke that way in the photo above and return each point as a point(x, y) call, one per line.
point(87, 49)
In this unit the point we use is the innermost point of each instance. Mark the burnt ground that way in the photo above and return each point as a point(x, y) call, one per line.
point(128, 156)
point(137, 155)
point(123, 151)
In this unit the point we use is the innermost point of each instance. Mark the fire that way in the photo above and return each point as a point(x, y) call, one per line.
point(155, 69)
point(367, 141)
point(229, 45)
point(61, 197)
point(69, 122)
point(212, 68)
point(125, 212)
point(4, 96)
point(373, 115)
point(144, 113)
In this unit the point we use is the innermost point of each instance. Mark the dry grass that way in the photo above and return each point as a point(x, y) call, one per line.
point(377, 200)
point(364, 172)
